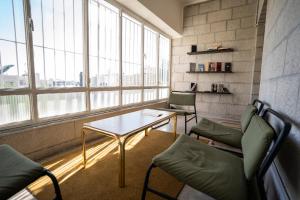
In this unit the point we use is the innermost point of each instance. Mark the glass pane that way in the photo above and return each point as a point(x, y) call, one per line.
point(39, 67)
point(48, 22)
point(78, 26)
point(60, 69)
point(131, 96)
point(150, 94)
point(7, 31)
point(150, 57)
point(163, 93)
point(104, 99)
point(19, 20)
point(60, 104)
point(8, 65)
point(104, 44)
point(13, 57)
point(15, 107)
point(131, 52)
point(36, 14)
point(164, 59)
point(79, 78)
point(59, 40)
point(69, 25)
point(50, 67)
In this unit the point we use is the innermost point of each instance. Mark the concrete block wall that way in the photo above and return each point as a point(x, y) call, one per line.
point(230, 23)
point(280, 85)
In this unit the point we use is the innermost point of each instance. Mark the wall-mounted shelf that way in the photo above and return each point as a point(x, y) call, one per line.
point(204, 92)
point(206, 72)
point(211, 51)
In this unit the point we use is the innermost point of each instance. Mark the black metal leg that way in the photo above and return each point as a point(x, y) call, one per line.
point(196, 118)
point(185, 122)
point(55, 184)
point(147, 181)
point(197, 137)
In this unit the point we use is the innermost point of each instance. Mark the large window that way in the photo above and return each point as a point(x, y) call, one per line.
point(65, 64)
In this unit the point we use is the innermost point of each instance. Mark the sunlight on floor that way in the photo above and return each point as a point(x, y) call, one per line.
point(65, 168)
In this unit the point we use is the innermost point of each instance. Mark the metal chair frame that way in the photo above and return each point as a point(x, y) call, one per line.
point(274, 148)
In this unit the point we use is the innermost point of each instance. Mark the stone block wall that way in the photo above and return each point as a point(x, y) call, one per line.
point(230, 23)
point(280, 86)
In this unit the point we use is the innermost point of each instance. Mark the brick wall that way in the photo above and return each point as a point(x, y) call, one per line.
point(280, 83)
point(230, 23)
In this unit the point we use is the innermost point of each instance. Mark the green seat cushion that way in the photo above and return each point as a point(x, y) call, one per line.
point(214, 172)
point(218, 132)
point(178, 111)
point(16, 171)
point(246, 116)
point(255, 143)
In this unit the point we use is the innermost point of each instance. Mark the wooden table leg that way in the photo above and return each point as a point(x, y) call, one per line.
point(83, 148)
point(175, 126)
point(122, 163)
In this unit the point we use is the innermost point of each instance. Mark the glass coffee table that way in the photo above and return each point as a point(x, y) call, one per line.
point(122, 127)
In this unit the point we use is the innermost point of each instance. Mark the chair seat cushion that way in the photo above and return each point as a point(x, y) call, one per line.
point(16, 171)
point(218, 132)
point(214, 172)
point(178, 111)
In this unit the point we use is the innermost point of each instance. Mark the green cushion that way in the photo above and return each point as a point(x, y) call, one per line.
point(16, 171)
point(255, 143)
point(218, 132)
point(246, 116)
point(186, 99)
point(214, 172)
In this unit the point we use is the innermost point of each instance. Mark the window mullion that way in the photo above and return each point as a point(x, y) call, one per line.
point(120, 58)
point(30, 61)
point(142, 60)
point(85, 28)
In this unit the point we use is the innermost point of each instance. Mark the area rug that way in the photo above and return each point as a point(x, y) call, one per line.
point(99, 180)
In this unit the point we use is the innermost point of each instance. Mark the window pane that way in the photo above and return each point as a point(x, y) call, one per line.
point(7, 26)
point(13, 56)
point(163, 93)
point(150, 57)
point(48, 21)
point(60, 104)
point(19, 20)
point(15, 107)
point(131, 96)
point(13, 68)
point(36, 14)
point(131, 52)
point(104, 99)
point(104, 44)
point(55, 45)
point(150, 94)
point(164, 59)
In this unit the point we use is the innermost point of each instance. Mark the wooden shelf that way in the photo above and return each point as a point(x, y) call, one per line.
point(207, 72)
point(211, 51)
point(204, 92)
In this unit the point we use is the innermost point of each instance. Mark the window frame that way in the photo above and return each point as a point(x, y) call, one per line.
point(32, 91)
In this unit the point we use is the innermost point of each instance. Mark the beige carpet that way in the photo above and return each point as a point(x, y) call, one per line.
point(100, 179)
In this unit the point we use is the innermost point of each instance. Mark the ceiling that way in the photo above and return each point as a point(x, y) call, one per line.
point(189, 2)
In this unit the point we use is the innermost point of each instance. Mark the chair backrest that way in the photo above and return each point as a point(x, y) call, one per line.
point(247, 116)
point(282, 129)
point(260, 105)
point(255, 143)
point(182, 98)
